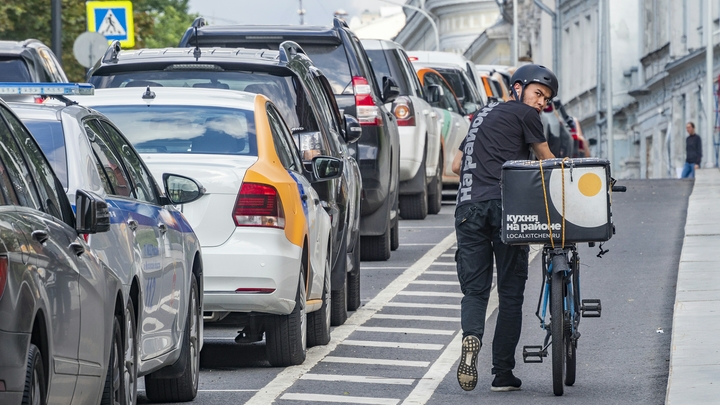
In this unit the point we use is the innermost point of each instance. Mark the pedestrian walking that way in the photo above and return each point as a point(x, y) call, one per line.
point(693, 152)
point(499, 132)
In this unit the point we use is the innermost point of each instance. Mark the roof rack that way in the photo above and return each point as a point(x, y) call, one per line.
point(338, 23)
point(288, 49)
point(199, 22)
point(111, 55)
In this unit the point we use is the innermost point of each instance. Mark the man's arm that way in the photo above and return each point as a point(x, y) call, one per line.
point(542, 151)
point(457, 160)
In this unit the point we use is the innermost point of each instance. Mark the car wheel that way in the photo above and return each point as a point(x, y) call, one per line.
point(286, 335)
point(183, 388)
point(131, 355)
point(318, 328)
point(415, 206)
point(435, 189)
point(376, 248)
point(35, 385)
point(339, 296)
point(113, 392)
point(353, 279)
point(395, 236)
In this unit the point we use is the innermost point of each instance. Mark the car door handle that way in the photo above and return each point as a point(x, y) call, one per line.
point(162, 227)
point(317, 201)
point(303, 197)
point(77, 248)
point(40, 236)
point(132, 224)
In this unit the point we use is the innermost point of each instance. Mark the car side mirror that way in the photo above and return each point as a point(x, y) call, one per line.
point(181, 190)
point(434, 93)
point(92, 214)
point(592, 141)
point(326, 168)
point(353, 130)
point(390, 91)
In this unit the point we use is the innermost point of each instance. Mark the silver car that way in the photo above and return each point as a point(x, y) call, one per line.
point(150, 245)
point(61, 308)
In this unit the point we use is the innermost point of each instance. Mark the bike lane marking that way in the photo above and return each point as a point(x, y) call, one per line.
point(427, 385)
point(286, 378)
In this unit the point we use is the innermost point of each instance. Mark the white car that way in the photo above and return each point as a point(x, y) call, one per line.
point(264, 234)
point(432, 58)
point(421, 154)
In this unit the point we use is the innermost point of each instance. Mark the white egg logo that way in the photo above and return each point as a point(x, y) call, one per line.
point(585, 196)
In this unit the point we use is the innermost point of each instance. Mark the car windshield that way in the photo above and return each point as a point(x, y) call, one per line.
point(456, 82)
point(333, 62)
point(279, 89)
point(14, 70)
point(186, 129)
point(379, 61)
point(49, 135)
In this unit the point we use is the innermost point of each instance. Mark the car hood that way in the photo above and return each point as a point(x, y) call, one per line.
point(220, 175)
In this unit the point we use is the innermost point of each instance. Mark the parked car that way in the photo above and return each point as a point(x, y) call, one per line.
point(62, 311)
point(28, 61)
point(582, 145)
point(341, 57)
point(150, 246)
point(302, 95)
point(453, 120)
point(466, 93)
point(431, 58)
point(421, 156)
point(264, 234)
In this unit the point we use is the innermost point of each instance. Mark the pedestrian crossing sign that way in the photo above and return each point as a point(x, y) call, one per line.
point(113, 19)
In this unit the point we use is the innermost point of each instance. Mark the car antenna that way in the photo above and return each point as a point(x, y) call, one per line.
point(149, 95)
point(197, 52)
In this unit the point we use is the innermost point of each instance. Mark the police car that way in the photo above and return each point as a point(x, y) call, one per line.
point(264, 233)
point(150, 245)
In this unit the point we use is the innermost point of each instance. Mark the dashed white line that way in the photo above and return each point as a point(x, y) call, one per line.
point(421, 305)
point(447, 255)
point(442, 272)
point(380, 362)
point(358, 379)
point(394, 345)
point(445, 264)
point(431, 294)
point(344, 399)
point(417, 317)
point(417, 331)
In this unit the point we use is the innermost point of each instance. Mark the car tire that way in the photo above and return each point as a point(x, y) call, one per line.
point(353, 279)
point(339, 296)
point(183, 388)
point(286, 335)
point(376, 248)
point(114, 390)
point(130, 355)
point(435, 189)
point(35, 384)
point(318, 322)
point(415, 206)
point(395, 236)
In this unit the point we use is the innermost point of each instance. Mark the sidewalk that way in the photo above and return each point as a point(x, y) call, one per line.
point(695, 351)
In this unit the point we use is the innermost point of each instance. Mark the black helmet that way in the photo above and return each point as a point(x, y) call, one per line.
point(527, 74)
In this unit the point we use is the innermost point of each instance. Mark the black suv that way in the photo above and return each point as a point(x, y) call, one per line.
point(303, 96)
point(342, 58)
point(29, 61)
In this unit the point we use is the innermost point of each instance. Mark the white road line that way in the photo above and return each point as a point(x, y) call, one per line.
point(289, 375)
point(339, 399)
point(394, 345)
point(433, 282)
point(441, 272)
point(445, 264)
point(380, 362)
point(447, 255)
point(431, 294)
point(421, 305)
point(417, 317)
point(358, 379)
point(426, 387)
point(418, 331)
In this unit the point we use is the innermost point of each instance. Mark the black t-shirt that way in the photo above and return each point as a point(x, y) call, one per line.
point(498, 133)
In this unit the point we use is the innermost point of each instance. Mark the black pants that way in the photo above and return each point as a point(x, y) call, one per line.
point(477, 226)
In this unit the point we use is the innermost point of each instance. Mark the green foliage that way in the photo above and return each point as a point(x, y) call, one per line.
point(158, 23)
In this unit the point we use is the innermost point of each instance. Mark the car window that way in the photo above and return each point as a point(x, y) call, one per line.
point(7, 192)
point(283, 149)
point(332, 60)
point(143, 181)
point(17, 170)
point(185, 129)
point(115, 181)
point(454, 79)
point(50, 67)
point(412, 75)
point(387, 63)
point(14, 70)
point(40, 168)
point(49, 135)
point(365, 65)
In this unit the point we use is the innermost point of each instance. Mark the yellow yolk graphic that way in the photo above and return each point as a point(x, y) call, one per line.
point(589, 184)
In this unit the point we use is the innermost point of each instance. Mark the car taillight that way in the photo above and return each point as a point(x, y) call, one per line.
point(3, 273)
point(367, 112)
point(404, 112)
point(413, 58)
point(259, 205)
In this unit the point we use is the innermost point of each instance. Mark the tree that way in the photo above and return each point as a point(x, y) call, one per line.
point(158, 23)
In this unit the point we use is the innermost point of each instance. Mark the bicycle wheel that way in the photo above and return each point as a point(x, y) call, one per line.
point(570, 361)
point(557, 325)
point(570, 346)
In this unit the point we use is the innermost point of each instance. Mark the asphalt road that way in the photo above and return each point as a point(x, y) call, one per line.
point(402, 345)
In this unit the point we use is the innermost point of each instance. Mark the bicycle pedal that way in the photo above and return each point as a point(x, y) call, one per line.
point(533, 354)
point(590, 308)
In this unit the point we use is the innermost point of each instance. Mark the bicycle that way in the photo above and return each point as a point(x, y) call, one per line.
point(560, 291)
